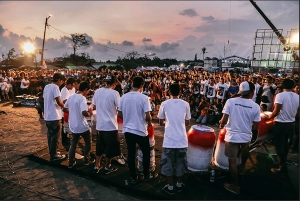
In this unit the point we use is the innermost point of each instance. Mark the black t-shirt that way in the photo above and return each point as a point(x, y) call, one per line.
point(33, 82)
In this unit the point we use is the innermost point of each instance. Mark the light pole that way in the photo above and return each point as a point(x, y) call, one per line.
point(42, 53)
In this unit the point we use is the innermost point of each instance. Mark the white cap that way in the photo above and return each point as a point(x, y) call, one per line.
point(244, 88)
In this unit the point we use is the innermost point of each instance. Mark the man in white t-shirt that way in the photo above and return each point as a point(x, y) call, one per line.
point(175, 115)
point(221, 89)
point(135, 111)
point(257, 86)
point(241, 116)
point(211, 90)
point(76, 106)
point(24, 85)
point(52, 115)
point(106, 101)
point(286, 106)
point(66, 92)
point(3, 89)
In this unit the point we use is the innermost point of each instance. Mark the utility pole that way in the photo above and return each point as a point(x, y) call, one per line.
point(42, 53)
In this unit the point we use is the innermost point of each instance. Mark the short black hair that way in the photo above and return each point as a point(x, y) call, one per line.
point(83, 86)
point(175, 89)
point(287, 84)
point(58, 76)
point(264, 106)
point(70, 81)
point(138, 82)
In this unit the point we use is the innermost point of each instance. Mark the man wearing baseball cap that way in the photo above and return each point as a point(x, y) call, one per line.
point(241, 117)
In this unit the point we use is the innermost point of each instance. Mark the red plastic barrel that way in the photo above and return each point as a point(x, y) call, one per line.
point(201, 140)
point(220, 159)
point(265, 127)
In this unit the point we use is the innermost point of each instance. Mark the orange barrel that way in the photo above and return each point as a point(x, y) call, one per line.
point(66, 124)
point(220, 159)
point(152, 152)
point(66, 117)
point(120, 124)
point(265, 127)
point(201, 141)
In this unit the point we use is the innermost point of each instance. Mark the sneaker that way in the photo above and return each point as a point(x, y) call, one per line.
point(90, 161)
point(167, 190)
point(179, 189)
point(151, 176)
point(72, 165)
point(133, 181)
point(109, 170)
point(58, 157)
point(96, 170)
point(278, 170)
point(232, 188)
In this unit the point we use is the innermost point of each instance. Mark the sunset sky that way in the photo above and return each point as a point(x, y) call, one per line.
point(171, 29)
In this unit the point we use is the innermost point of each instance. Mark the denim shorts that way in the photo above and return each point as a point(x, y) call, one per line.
point(173, 161)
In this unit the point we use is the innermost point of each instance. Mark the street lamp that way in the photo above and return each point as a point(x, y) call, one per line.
point(42, 52)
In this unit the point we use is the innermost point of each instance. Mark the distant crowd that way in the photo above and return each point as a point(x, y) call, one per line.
point(205, 92)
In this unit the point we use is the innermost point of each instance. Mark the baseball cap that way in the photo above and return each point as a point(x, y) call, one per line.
point(110, 78)
point(244, 88)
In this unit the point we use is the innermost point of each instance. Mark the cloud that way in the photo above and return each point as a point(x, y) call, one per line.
point(164, 47)
point(127, 43)
point(208, 18)
point(189, 13)
point(28, 28)
point(177, 24)
point(208, 45)
point(147, 40)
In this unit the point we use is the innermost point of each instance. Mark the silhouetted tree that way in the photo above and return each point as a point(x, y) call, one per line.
point(78, 41)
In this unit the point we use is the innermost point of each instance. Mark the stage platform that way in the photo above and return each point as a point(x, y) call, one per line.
point(258, 183)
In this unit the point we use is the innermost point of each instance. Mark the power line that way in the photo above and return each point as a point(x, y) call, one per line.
point(59, 30)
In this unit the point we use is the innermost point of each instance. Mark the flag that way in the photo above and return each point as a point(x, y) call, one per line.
point(44, 66)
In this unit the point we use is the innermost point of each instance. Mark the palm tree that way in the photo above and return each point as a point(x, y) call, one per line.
point(203, 52)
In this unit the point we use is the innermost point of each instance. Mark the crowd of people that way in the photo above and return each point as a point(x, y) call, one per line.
point(135, 96)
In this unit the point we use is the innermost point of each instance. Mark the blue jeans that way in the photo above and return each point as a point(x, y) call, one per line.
point(87, 147)
point(53, 135)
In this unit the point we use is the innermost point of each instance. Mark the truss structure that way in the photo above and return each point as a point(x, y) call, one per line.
point(269, 52)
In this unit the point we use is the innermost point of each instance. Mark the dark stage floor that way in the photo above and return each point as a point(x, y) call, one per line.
point(258, 183)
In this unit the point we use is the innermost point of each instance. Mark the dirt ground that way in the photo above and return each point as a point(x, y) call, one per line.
point(21, 134)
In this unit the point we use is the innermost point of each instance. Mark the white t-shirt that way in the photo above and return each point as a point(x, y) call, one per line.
point(72, 91)
point(257, 86)
point(107, 102)
point(3, 86)
point(242, 113)
point(134, 105)
point(290, 105)
point(267, 92)
point(65, 94)
point(52, 111)
point(222, 89)
point(203, 85)
point(175, 112)
point(77, 122)
point(22, 84)
point(211, 91)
